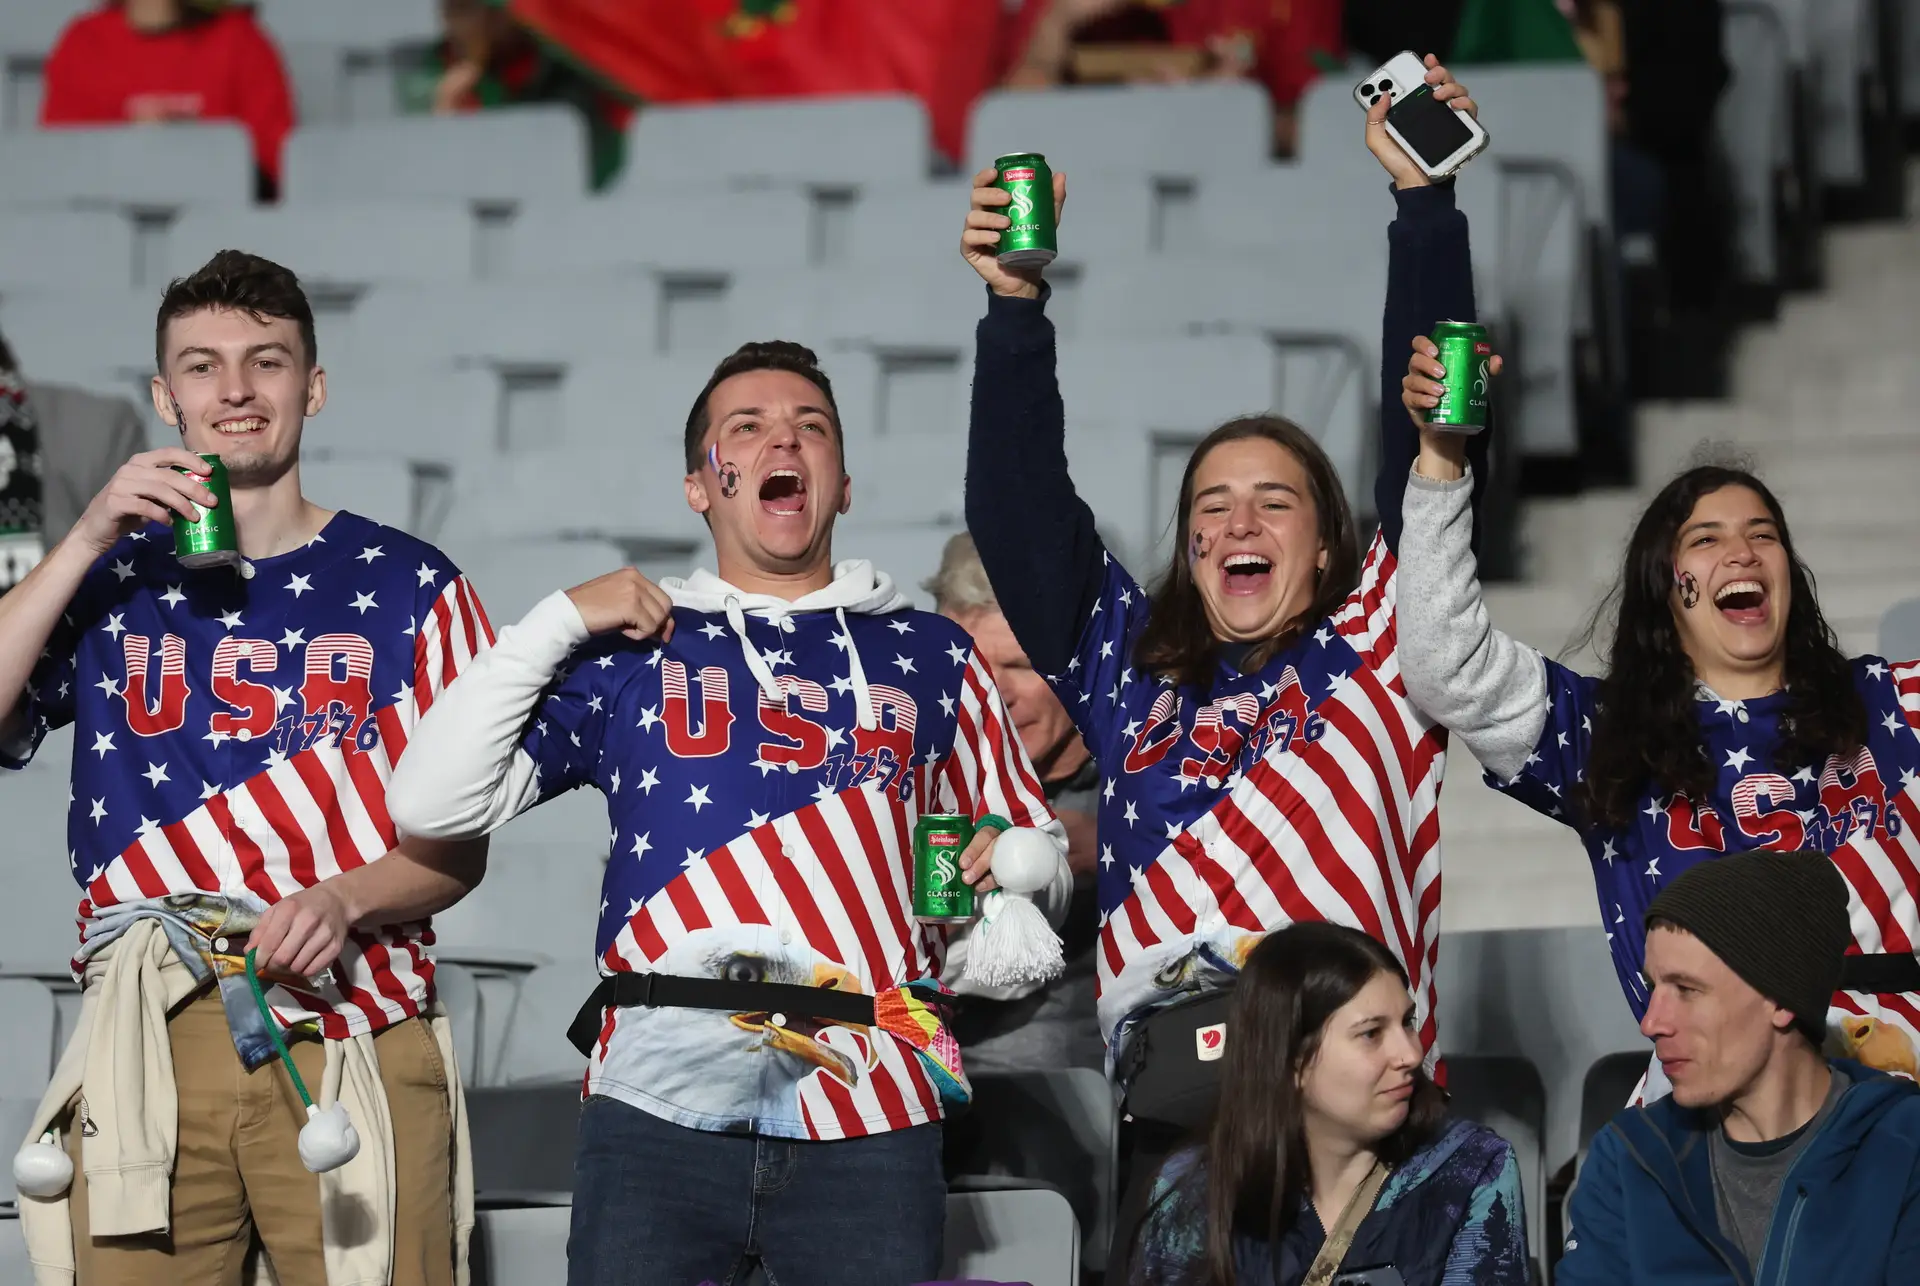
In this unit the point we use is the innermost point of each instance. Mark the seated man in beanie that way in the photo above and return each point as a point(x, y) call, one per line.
point(1769, 1161)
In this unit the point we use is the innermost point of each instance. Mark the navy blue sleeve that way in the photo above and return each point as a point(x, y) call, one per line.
point(1596, 1249)
point(1429, 279)
point(1035, 534)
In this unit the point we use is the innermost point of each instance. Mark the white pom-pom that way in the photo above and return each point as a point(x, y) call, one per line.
point(328, 1139)
point(1013, 943)
point(1024, 860)
point(42, 1169)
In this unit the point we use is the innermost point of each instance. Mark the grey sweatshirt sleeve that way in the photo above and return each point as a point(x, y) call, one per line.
point(1487, 688)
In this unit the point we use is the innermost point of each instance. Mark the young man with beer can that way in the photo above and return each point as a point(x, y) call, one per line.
point(238, 712)
point(768, 1061)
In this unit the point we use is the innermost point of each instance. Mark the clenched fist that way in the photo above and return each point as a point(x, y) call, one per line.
point(625, 601)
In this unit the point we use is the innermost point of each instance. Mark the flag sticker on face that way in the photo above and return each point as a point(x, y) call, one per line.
point(1210, 1043)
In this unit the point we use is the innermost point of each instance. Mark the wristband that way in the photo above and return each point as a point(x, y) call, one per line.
point(994, 820)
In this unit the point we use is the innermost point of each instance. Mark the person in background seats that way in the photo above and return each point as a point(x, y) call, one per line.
point(153, 61)
point(1029, 1027)
point(1769, 1162)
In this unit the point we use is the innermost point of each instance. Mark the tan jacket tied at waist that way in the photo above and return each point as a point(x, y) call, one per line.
point(123, 1067)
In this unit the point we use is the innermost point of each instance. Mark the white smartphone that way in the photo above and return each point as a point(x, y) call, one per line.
point(1438, 138)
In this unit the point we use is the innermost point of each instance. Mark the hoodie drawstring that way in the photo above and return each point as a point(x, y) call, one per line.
point(862, 698)
point(763, 672)
point(756, 663)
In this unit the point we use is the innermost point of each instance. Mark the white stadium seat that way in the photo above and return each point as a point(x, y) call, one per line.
point(150, 170)
point(877, 140)
point(49, 248)
point(335, 247)
point(498, 158)
point(1167, 130)
point(706, 230)
point(357, 24)
point(28, 32)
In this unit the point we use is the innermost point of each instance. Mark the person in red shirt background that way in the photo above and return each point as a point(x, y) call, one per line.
point(1282, 44)
point(172, 60)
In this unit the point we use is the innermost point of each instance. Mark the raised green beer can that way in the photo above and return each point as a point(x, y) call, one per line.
point(939, 894)
point(1465, 351)
point(211, 542)
point(1031, 241)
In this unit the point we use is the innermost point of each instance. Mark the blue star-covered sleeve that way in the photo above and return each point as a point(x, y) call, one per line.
point(1101, 668)
point(51, 692)
point(1558, 762)
point(566, 735)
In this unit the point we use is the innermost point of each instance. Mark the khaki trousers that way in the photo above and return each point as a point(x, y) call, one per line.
point(238, 1173)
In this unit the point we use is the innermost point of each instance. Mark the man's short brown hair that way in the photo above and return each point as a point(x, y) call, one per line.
point(245, 283)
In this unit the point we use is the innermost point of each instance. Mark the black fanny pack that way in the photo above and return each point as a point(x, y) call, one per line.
point(664, 990)
point(1171, 1066)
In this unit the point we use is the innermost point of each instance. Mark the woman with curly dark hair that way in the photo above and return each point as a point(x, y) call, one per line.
point(1729, 719)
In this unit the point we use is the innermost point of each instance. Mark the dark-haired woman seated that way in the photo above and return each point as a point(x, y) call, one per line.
point(1330, 1148)
point(1728, 720)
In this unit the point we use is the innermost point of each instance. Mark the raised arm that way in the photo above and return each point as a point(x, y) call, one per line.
point(1429, 279)
point(1487, 687)
point(1035, 535)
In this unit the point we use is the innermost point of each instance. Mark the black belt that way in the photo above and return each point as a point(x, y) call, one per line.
point(665, 990)
point(1881, 975)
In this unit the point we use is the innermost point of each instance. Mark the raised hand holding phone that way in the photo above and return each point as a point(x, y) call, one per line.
point(1422, 125)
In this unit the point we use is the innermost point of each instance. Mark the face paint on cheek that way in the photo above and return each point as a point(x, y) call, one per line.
point(1689, 589)
point(1198, 545)
point(729, 474)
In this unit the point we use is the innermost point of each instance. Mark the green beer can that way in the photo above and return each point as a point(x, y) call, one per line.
point(940, 896)
point(1465, 352)
point(211, 542)
point(1031, 241)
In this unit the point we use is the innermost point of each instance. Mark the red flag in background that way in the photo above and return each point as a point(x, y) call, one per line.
point(944, 52)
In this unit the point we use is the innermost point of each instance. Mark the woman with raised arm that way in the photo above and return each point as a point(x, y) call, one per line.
point(1259, 761)
point(1728, 720)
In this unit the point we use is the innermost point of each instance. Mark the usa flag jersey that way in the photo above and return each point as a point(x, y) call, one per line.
point(1862, 810)
point(1308, 790)
point(235, 736)
point(763, 773)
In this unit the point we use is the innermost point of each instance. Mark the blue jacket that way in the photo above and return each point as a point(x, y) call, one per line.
point(1849, 1214)
point(1450, 1216)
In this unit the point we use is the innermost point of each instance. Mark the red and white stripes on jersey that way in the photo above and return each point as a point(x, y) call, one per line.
point(836, 877)
point(305, 818)
point(1340, 825)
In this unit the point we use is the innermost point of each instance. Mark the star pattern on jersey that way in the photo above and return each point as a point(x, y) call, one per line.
point(173, 597)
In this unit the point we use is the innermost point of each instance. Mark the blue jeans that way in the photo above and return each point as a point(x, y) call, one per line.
point(658, 1203)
